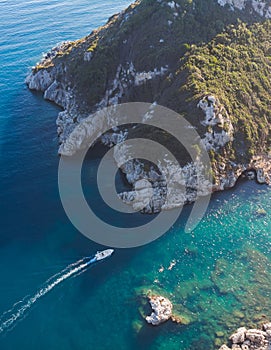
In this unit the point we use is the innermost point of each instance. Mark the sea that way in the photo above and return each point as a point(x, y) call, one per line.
point(218, 276)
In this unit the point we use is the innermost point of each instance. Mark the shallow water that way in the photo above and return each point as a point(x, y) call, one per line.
point(222, 274)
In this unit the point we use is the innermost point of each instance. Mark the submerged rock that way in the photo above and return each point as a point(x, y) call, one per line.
point(261, 212)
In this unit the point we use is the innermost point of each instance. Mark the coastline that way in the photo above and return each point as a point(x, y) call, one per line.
point(37, 239)
point(105, 68)
point(43, 79)
point(258, 168)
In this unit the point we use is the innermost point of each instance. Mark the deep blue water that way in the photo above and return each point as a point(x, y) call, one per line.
point(100, 307)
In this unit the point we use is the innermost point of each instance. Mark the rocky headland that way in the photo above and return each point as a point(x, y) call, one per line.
point(184, 56)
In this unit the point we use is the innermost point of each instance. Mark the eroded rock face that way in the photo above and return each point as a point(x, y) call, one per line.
point(162, 310)
point(262, 8)
point(256, 336)
point(215, 116)
point(184, 185)
point(262, 166)
point(128, 79)
point(250, 339)
point(40, 80)
point(56, 93)
point(239, 336)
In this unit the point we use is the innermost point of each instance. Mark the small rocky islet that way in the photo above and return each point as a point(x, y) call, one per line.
point(162, 310)
point(242, 339)
point(234, 294)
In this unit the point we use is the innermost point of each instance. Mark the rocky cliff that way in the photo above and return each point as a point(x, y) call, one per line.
point(209, 61)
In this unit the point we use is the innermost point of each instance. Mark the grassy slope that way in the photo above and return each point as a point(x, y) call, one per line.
point(236, 67)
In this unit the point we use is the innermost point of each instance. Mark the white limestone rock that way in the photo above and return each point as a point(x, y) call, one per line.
point(40, 80)
point(216, 140)
point(250, 339)
point(173, 5)
point(142, 77)
point(215, 115)
point(57, 94)
point(83, 135)
point(126, 75)
point(239, 4)
point(111, 139)
point(262, 8)
point(267, 327)
point(169, 186)
point(162, 310)
point(256, 336)
point(224, 347)
point(239, 336)
point(260, 176)
point(87, 56)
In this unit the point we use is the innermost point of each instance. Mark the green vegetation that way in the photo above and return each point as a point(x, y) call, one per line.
point(207, 49)
point(135, 36)
point(235, 66)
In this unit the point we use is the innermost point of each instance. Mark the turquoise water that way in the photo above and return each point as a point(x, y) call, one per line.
point(222, 274)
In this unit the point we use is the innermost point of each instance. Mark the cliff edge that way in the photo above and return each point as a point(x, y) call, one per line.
point(210, 62)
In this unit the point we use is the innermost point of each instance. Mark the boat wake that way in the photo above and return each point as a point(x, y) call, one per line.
point(9, 319)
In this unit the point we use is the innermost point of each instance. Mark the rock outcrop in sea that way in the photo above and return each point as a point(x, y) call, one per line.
point(250, 339)
point(162, 310)
point(184, 56)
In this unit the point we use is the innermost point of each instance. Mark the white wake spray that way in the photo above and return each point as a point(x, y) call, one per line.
point(9, 318)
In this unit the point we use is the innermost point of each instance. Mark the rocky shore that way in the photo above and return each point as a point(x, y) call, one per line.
point(165, 196)
point(71, 76)
point(250, 339)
